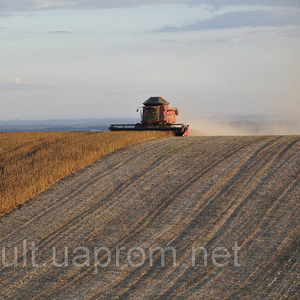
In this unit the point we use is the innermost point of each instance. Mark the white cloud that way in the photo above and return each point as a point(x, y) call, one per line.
point(238, 19)
point(32, 5)
point(16, 80)
point(17, 84)
point(42, 4)
point(235, 40)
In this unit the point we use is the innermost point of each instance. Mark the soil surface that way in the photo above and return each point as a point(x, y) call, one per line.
point(236, 197)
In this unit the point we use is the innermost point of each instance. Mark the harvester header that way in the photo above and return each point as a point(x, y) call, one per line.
point(156, 115)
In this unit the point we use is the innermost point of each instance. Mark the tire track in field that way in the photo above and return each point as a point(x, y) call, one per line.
point(282, 192)
point(265, 225)
point(168, 192)
point(150, 219)
point(216, 272)
point(268, 217)
point(208, 202)
point(187, 230)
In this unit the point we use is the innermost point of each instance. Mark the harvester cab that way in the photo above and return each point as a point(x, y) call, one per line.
point(156, 115)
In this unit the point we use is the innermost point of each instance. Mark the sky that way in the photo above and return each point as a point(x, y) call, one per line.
point(88, 58)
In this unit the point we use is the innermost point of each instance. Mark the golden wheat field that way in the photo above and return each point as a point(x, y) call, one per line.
point(30, 162)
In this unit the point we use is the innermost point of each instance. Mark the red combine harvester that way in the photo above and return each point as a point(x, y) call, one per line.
point(156, 115)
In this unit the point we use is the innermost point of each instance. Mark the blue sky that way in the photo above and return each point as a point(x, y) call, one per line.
point(104, 58)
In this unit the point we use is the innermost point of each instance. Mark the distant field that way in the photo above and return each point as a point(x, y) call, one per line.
point(32, 162)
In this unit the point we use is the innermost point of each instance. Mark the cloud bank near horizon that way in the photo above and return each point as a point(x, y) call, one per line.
point(36, 5)
point(237, 19)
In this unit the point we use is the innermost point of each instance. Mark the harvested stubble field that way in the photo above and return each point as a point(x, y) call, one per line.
point(31, 162)
point(176, 192)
